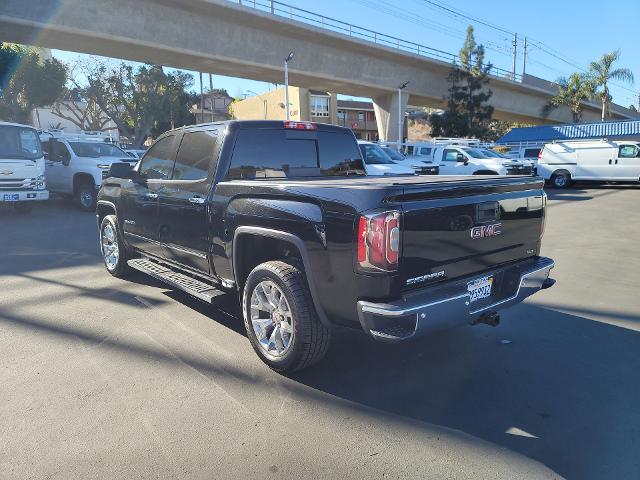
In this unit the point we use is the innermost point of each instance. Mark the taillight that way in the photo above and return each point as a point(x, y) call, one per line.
point(379, 241)
point(300, 126)
point(540, 155)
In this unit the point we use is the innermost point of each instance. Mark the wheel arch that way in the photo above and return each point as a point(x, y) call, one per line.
point(80, 178)
point(485, 172)
point(243, 264)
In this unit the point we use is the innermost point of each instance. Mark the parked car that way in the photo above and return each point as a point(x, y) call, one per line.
point(377, 162)
point(134, 153)
point(463, 160)
point(22, 178)
point(420, 167)
point(77, 164)
point(527, 153)
point(561, 163)
point(282, 216)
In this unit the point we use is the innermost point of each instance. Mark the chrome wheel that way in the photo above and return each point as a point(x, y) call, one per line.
point(86, 199)
point(560, 180)
point(271, 318)
point(109, 244)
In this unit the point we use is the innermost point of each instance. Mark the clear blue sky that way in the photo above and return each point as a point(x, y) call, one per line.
point(571, 31)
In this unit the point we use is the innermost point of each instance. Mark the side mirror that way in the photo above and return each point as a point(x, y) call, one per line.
point(122, 170)
point(461, 158)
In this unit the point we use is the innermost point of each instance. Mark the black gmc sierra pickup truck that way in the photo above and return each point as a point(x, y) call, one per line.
point(281, 215)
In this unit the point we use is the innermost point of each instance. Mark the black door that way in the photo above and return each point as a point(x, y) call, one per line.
point(140, 216)
point(184, 201)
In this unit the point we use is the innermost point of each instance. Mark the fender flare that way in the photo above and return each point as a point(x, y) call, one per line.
point(295, 241)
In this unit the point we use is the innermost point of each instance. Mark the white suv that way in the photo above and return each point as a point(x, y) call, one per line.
point(463, 160)
point(77, 164)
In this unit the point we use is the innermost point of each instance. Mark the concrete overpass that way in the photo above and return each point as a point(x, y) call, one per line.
point(221, 37)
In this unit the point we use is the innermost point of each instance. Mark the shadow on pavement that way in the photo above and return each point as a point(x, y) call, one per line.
point(564, 392)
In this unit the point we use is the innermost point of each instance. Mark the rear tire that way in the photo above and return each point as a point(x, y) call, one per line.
point(113, 249)
point(561, 180)
point(24, 208)
point(87, 196)
point(280, 318)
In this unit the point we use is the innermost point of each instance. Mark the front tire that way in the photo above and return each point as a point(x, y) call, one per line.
point(86, 196)
point(280, 318)
point(561, 180)
point(114, 252)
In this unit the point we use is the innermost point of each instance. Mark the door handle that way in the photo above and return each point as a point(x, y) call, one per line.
point(151, 196)
point(609, 161)
point(616, 161)
point(196, 200)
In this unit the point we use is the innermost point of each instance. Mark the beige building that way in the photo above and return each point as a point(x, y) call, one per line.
point(311, 106)
point(304, 105)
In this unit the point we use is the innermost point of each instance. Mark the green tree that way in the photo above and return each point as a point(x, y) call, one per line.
point(135, 98)
point(602, 72)
point(468, 113)
point(27, 81)
point(572, 92)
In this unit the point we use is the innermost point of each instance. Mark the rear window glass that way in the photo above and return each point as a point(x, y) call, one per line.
point(270, 154)
point(292, 154)
point(339, 154)
point(96, 149)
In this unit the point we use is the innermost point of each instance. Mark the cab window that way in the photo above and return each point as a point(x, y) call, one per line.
point(450, 155)
point(157, 163)
point(198, 153)
point(628, 151)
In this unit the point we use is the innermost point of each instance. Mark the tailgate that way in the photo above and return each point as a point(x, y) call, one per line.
point(460, 230)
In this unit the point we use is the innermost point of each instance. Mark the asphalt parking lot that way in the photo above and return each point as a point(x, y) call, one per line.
point(106, 378)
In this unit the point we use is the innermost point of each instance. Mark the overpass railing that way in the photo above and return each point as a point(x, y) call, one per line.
point(285, 10)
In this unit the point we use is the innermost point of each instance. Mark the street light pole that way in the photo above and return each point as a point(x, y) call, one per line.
point(400, 119)
point(286, 82)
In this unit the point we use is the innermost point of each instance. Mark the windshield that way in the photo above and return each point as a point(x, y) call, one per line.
point(96, 149)
point(475, 153)
point(375, 155)
point(492, 153)
point(19, 142)
point(393, 154)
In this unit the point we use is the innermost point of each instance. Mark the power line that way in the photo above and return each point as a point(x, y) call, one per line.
point(468, 17)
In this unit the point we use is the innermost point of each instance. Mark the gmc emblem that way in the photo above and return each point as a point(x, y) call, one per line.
point(486, 231)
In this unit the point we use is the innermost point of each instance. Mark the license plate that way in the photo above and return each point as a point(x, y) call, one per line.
point(479, 289)
point(10, 197)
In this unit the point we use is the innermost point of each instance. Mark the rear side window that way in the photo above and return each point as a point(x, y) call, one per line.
point(157, 163)
point(531, 152)
point(339, 154)
point(198, 152)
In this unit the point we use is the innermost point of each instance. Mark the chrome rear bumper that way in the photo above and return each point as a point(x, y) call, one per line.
point(448, 305)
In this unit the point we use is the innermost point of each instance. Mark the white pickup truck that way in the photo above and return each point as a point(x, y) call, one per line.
point(77, 164)
point(22, 171)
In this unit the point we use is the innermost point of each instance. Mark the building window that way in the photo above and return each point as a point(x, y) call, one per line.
point(361, 116)
point(319, 106)
point(342, 115)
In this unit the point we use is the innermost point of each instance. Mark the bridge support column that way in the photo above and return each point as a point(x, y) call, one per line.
point(386, 108)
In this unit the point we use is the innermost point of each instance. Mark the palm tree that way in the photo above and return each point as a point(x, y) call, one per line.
point(572, 92)
point(602, 72)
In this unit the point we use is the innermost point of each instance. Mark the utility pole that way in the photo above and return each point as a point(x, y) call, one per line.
point(211, 95)
point(286, 81)
point(524, 59)
point(400, 116)
point(201, 100)
point(515, 52)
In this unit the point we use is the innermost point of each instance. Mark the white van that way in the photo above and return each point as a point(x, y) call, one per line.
point(562, 162)
point(22, 171)
point(76, 164)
